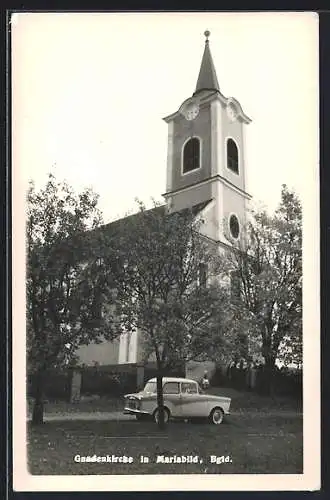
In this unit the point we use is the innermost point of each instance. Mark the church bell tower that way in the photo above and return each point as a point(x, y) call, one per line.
point(205, 160)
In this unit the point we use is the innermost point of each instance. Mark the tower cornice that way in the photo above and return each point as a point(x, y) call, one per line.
point(208, 97)
point(215, 178)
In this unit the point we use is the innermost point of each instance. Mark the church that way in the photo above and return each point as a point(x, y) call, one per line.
point(205, 169)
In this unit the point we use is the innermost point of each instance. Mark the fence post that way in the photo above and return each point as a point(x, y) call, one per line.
point(75, 386)
point(139, 376)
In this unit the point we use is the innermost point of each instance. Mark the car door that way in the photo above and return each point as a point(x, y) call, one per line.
point(171, 392)
point(191, 405)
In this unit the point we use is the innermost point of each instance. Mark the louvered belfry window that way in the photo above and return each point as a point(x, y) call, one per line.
point(191, 155)
point(232, 156)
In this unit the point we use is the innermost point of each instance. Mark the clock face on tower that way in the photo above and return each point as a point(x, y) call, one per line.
point(191, 112)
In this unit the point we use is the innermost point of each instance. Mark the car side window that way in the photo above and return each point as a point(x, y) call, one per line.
point(188, 388)
point(171, 388)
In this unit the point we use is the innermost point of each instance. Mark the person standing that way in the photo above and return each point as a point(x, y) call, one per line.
point(205, 383)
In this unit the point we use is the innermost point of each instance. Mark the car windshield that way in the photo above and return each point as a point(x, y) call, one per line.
point(150, 387)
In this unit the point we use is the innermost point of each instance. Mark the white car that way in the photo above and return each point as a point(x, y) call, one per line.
point(183, 398)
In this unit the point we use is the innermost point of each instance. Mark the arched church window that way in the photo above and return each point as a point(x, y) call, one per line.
point(191, 155)
point(232, 156)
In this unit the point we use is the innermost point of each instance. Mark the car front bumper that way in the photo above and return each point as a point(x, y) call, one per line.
point(134, 411)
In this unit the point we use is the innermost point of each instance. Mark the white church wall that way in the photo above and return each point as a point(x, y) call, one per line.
point(234, 203)
point(127, 352)
point(191, 196)
point(233, 130)
point(132, 351)
point(217, 194)
point(122, 356)
point(217, 157)
point(105, 353)
point(169, 156)
point(209, 227)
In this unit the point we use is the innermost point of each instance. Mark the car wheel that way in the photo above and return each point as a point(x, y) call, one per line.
point(217, 416)
point(166, 415)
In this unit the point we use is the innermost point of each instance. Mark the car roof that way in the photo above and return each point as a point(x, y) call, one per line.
point(174, 379)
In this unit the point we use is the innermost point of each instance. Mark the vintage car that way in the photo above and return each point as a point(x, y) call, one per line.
point(183, 398)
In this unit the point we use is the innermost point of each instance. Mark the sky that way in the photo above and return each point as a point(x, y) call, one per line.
point(90, 91)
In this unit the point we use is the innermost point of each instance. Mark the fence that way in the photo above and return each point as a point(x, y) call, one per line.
point(56, 385)
point(116, 380)
point(284, 382)
point(113, 380)
point(109, 380)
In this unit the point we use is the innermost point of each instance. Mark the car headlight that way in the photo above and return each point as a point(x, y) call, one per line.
point(134, 403)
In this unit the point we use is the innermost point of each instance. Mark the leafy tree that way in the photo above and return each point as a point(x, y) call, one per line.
point(65, 280)
point(163, 290)
point(267, 264)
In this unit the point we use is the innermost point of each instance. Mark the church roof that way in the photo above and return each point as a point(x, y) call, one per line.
point(207, 78)
point(113, 227)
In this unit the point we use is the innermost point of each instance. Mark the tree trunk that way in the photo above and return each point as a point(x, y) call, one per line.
point(160, 399)
point(38, 407)
point(268, 375)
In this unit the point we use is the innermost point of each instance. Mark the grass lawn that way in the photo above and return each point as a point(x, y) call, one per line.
point(253, 444)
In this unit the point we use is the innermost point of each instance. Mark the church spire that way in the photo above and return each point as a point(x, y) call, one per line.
point(207, 78)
